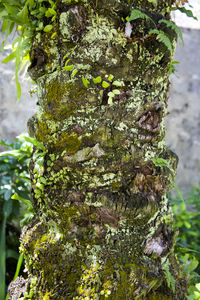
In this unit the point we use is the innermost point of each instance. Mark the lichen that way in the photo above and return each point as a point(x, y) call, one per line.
point(103, 226)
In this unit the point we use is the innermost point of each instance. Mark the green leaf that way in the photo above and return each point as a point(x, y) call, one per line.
point(74, 73)
point(40, 25)
point(53, 35)
point(137, 14)
point(23, 16)
point(111, 94)
point(191, 265)
point(169, 278)
point(19, 92)
point(68, 68)
point(110, 77)
point(162, 37)
point(43, 180)
point(117, 83)
point(85, 81)
point(116, 92)
point(19, 264)
point(7, 195)
point(174, 27)
point(48, 28)
point(97, 79)
point(33, 141)
point(65, 56)
point(15, 153)
point(110, 101)
point(189, 13)
point(105, 84)
point(153, 1)
point(50, 12)
point(160, 162)
point(9, 57)
point(23, 200)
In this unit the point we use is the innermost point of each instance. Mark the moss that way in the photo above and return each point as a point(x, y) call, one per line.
point(55, 104)
point(102, 201)
point(69, 142)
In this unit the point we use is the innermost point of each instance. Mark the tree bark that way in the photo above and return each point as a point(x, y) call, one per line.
point(103, 224)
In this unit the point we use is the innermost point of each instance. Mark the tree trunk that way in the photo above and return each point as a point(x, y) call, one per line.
point(103, 225)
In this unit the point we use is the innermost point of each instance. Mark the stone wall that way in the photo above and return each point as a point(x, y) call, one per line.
point(182, 123)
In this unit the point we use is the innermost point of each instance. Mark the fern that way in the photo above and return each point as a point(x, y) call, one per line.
point(163, 38)
point(174, 27)
point(168, 276)
point(137, 14)
point(183, 10)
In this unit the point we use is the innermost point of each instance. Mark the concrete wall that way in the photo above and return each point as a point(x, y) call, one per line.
point(183, 122)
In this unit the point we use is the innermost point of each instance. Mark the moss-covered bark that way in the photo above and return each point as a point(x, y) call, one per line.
point(103, 225)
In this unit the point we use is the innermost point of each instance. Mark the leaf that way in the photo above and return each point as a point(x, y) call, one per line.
point(163, 38)
point(7, 195)
point(161, 162)
point(74, 73)
point(97, 79)
point(23, 200)
point(9, 57)
point(43, 180)
point(110, 101)
point(33, 141)
point(191, 265)
point(110, 77)
point(174, 27)
point(19, 92)
point(153, 1)
point(68, 68)
point(53, 35)
point(137, 14)
point(23, 16)
point(105, 84)
point(48, 28)
point(169, 278)
point(85, 82)
point(116, 92)
point(111, 94)
point(7, 207)
point(188, 12)
point(117, 83)
point(65, 56)
point(50, 12)
point(14, 153)
point(19, 264)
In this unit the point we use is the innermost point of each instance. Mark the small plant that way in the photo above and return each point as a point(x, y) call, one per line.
point(187, 249)
point(15, 206)
point(15, 15)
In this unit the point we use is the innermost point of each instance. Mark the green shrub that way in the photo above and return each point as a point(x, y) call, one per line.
point(187, 249)
point(14, 186)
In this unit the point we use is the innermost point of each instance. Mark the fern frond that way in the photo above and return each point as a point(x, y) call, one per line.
point(168, 276)
point(174, 27)
point(153, 1)
point(163, 38)
point(137, 14)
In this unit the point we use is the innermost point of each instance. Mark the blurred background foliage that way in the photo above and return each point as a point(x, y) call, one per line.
point(15, 207)
point(16, 210)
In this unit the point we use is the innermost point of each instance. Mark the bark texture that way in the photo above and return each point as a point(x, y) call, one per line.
point(103, 225)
